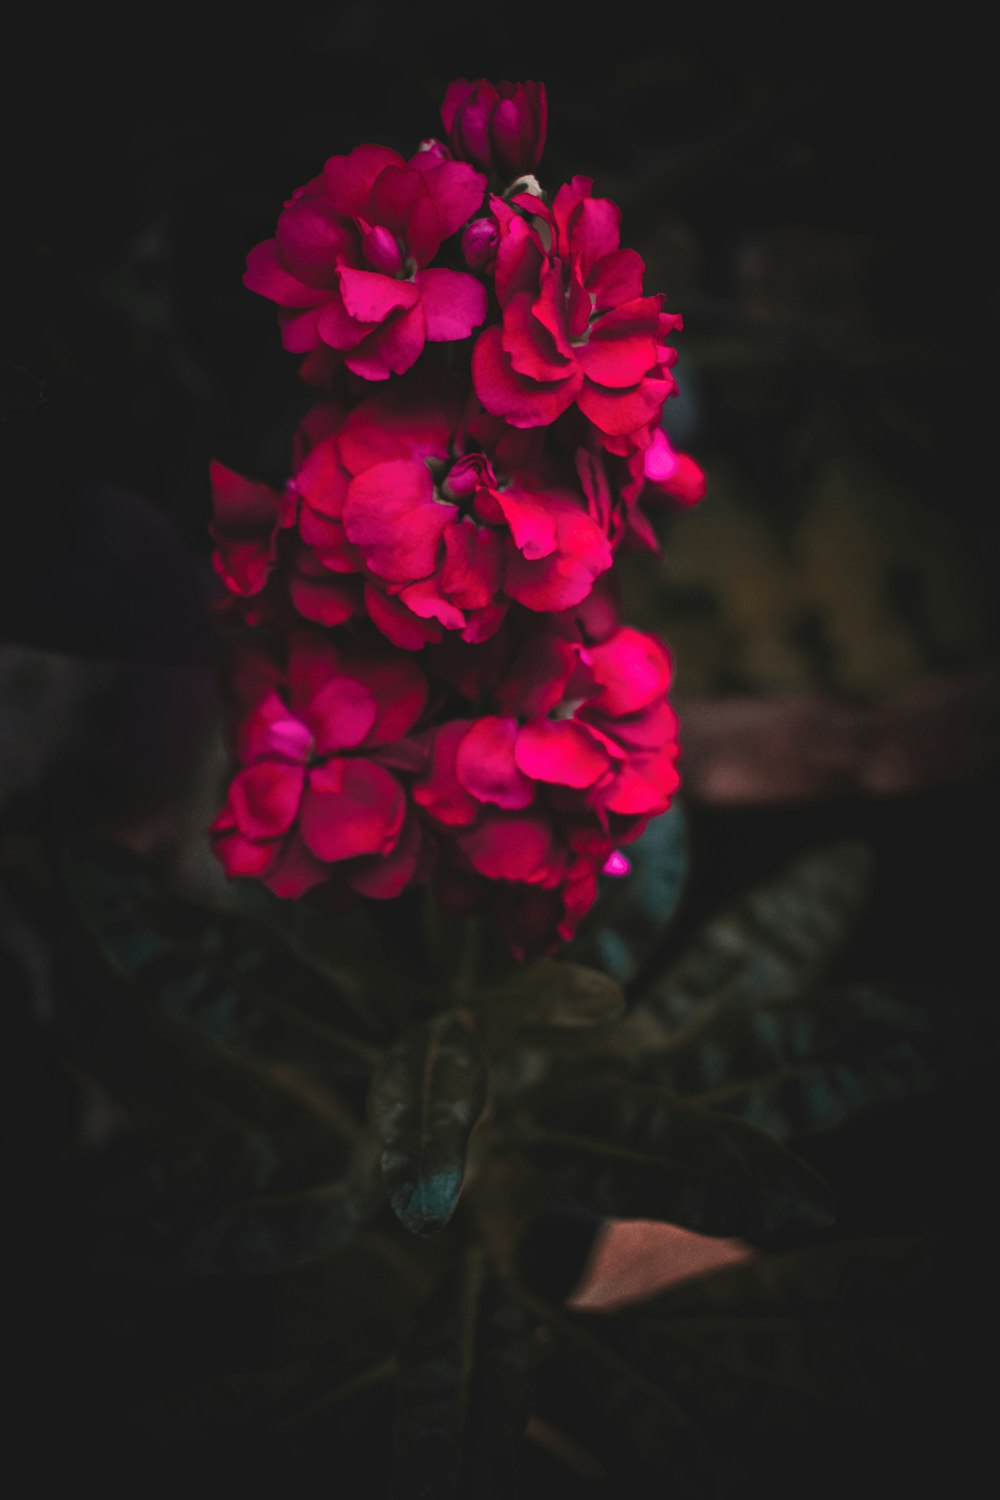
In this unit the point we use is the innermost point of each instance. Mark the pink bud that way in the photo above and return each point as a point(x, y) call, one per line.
point(660, 460)
point(479, 244)
point(469, 475)
point(499, 128)
point(382, 250)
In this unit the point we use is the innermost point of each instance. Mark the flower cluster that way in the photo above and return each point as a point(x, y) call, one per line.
point(433, 681)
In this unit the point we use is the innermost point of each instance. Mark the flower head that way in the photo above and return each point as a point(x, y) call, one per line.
point(322, 754)
point(578, 753)
point(350, 264)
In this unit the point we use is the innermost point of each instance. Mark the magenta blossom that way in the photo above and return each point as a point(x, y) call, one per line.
point(350, 265)
point(426, 521)
point(575, 326)
point(499, 128)
point(582, 753)
point(323, 760)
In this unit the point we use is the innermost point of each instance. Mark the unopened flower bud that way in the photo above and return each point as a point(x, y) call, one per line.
point(499, 128)
point(479, 244)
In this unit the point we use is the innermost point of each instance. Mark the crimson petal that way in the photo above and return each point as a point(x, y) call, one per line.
point(265, 798)
point(454, 303)
point(561, 752)
point(486, 767)
point(513, 848)
point(363, 816)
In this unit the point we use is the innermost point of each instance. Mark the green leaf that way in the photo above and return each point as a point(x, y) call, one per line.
point(633, 910)
point(633, 1150)
point(424, 1101)
point(778, 940)
point(553, 992)
point(273, 1231)
point(462, 1389)
point(226, 975)
point(795, 1065)
point(260, 1354)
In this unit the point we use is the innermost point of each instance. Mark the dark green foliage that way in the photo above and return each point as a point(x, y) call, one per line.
point(553, 992)
point(425, 1100)
point(463, 1392)
point(693, 1382)
point(246, 1149)
point(634, 1151)
point(260, 1126)
point(778, 940)
point(801, 1064)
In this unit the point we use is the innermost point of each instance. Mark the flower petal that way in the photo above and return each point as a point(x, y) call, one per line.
point(272, 732)
point(457, 192)
point(295, 871)
point(619, 411)
point(323, 597)
point(523, 402)
point(549, 308)
point(321, 479)
point(617, 362)
point(313, 239)
point(391, 514)
point(426, 600)
point(392, 349)
point(370, 297)
point(615, 278)
point(561, 752)
point(630, 670)
point(594, 231)
point(454, 303)
point(529, 343)
point(363, 816)
point(384, 876)
point(341, 715)
point(471, 573)
point(644, 784)
point(565, 577)
point(486, 767)
point(531, 526)
point(267, 274)
point(265, 798)
point(348, 180)
point(398, 624)
point(439, 792)
point(513, 848)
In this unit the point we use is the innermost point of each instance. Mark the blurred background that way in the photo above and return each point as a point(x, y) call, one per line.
point(806, 194)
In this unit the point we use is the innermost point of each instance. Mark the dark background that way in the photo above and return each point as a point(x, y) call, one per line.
point(809, 194)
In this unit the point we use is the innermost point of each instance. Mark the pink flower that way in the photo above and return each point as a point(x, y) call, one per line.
point(580, 755)
point(350, 265)
point(499, 128)
point(575, 326)
point(323, 760)
point(448, 521)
